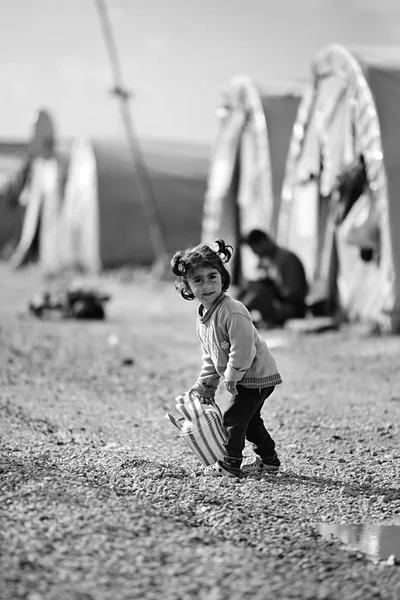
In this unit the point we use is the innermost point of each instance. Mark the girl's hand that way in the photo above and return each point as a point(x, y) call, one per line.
point(203, 399)
point(231, 387)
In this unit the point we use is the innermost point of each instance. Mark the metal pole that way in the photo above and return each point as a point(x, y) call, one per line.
point(146, 193)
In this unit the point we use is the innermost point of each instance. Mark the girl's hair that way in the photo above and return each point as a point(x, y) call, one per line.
point(184, 261)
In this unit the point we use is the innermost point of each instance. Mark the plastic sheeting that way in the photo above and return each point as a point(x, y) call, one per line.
point(220, 204)
point(104, 225)
point(247, 164)
point(365, 120)
point(102, 222)
point(43, 200)
point(385, 86)
point(80, 227)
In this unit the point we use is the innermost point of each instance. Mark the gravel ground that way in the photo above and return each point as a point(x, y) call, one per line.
point(100, 499)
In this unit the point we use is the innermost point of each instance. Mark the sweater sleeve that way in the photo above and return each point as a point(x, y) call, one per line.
point(208, 379)
point(242, 346)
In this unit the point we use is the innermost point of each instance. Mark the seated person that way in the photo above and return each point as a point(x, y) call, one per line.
point(280, 293)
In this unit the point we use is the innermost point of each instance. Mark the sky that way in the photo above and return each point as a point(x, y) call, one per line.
point(176, 57)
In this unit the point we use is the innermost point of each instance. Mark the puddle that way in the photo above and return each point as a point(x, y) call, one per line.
point(378, 541)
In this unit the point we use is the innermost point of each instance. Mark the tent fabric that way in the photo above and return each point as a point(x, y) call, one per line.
point(15, 163)
point(280, 111)
point(366, 121)
point(36, 216)
point(247, 162)
point(34, 194)
point(42, 198)
point(104, 222)
point(13, 166)
point(219, 205)
point(385, 85)
point(79, 219)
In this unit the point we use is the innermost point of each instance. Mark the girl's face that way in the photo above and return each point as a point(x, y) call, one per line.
point(206, 285)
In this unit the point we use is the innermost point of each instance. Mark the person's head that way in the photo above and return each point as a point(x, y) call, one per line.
point(260, 242)
point(201, 272)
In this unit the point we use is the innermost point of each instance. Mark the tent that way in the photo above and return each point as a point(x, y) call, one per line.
point(247, 163)
point(77, 203)
point(13, 172)
point(348, 115)
point(103, 223)
point(31, 197)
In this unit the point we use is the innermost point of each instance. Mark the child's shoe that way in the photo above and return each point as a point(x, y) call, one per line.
point(221, 469)
point(255, 466)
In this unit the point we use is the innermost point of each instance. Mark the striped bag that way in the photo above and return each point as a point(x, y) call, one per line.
point(200, 426)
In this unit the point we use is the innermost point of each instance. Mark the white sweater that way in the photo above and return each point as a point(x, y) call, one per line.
point(232, 348)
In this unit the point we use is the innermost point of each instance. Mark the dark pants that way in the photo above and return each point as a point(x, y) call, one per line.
point(264, 297)
point(242, 420)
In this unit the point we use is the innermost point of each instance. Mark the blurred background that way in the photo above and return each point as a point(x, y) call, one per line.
point(176, 57)
point(130, 129)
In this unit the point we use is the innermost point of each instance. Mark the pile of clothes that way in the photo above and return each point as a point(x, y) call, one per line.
point(75, 302)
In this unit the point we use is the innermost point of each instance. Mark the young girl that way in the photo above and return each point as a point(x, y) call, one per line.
point(232, 349)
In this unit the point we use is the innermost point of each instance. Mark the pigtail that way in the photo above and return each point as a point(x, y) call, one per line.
point(179, 267)
point(177, 264)
point(225, 251)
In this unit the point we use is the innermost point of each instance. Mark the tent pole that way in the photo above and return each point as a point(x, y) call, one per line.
point(146, 192)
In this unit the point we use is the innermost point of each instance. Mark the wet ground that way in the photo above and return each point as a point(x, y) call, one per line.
point(380, 542)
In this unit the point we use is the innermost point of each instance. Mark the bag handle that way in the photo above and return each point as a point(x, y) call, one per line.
point(178, 422)
point(192, 406)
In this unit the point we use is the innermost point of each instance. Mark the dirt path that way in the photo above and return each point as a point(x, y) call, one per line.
point(98, 497)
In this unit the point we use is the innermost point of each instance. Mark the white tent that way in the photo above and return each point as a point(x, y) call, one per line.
point(41, 197)
point(80, 230)
point(350, 111)
point(14, 170)
point(247, 163)
point(102, 220)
